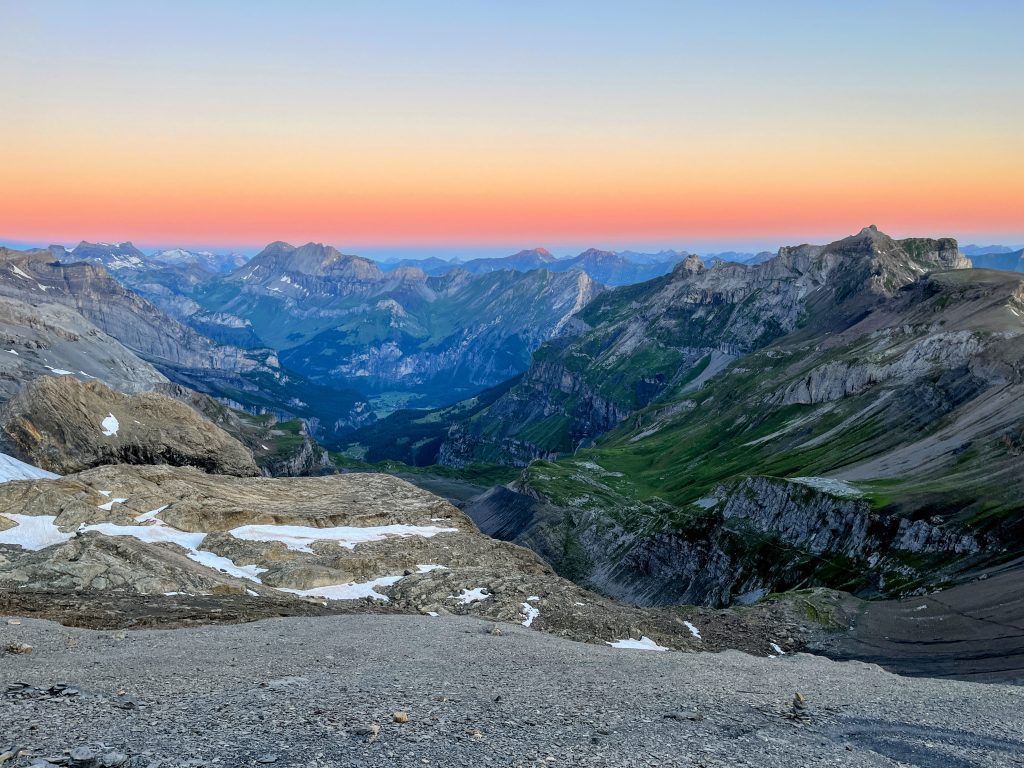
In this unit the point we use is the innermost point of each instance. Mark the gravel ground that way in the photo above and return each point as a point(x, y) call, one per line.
point(323, 691)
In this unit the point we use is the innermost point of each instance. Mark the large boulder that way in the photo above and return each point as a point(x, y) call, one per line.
point(65, 425)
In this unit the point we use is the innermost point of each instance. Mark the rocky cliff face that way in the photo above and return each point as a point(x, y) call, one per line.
point(64, 425)
point(754, 536)
point(45, 339)
point(880, 457)
point(120, 313)
point(643, 341)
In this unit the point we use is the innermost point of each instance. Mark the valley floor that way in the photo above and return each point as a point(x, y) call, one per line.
point(321, 691)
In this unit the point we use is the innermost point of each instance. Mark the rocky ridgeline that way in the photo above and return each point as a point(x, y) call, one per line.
point(755, 536)
point(65, 425)
point(639, 342)
point(92, 292)
point(155, 540)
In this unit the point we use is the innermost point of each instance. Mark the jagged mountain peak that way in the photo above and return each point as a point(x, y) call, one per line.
point(594, 254)
point(538, 254)
point(692, 264)
point(313, 259)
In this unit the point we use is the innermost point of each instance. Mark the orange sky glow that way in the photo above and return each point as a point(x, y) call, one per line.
point(396, 138)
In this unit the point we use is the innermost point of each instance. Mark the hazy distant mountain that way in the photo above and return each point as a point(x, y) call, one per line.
point(606, 267)
point(978, 250)
point(667, 255)
point(341, 319)
point(432, 265)
point(215, 262)
point(1012, 261)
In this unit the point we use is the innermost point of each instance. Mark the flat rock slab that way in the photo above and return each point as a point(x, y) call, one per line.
point(323, 691)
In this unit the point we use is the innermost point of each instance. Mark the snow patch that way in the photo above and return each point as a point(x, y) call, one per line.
point(530, 612)
point(160, 533)
point(830, 485)
point(33, 532)
point(468, 596)
point(12, 352)
point(58, 371)
point(353, 591)
point(777, 649)
point(12, 469)
point(110, 504)
point(428, 567)
point(145, 517)
point(643, 644)
point(693, 630)
point(299, 538)
point(110, 425)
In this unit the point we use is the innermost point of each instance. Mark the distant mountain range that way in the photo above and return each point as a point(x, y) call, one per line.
point(849, 414)
point(118, 257)
point(340, 319)
point(981, 250)
point(611, 268)
point(1012, 261)
point(91, 326)
point(606, 267)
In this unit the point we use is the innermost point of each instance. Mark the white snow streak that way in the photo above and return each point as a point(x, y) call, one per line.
point(353, 591)
point(643, 644)
point(299, 538)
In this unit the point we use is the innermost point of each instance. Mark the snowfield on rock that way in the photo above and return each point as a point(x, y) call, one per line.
point(12, 469)
point(33, 532)
point(643, 644)
point(39, 532)
point(299, 538)
point(158, 544)
point(839, 488)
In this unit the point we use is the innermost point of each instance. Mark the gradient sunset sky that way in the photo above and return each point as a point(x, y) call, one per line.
point(390, 126)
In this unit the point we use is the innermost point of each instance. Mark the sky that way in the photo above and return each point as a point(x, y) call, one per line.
point(438, 126)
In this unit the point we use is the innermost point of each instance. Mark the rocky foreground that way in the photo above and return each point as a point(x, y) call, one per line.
point(450, 691)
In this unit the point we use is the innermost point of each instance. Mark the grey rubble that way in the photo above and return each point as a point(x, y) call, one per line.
point(311, 692)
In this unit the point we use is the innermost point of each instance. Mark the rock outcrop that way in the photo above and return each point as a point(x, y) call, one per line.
point(756, 536)
point(65, 425)
point(359, 539)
